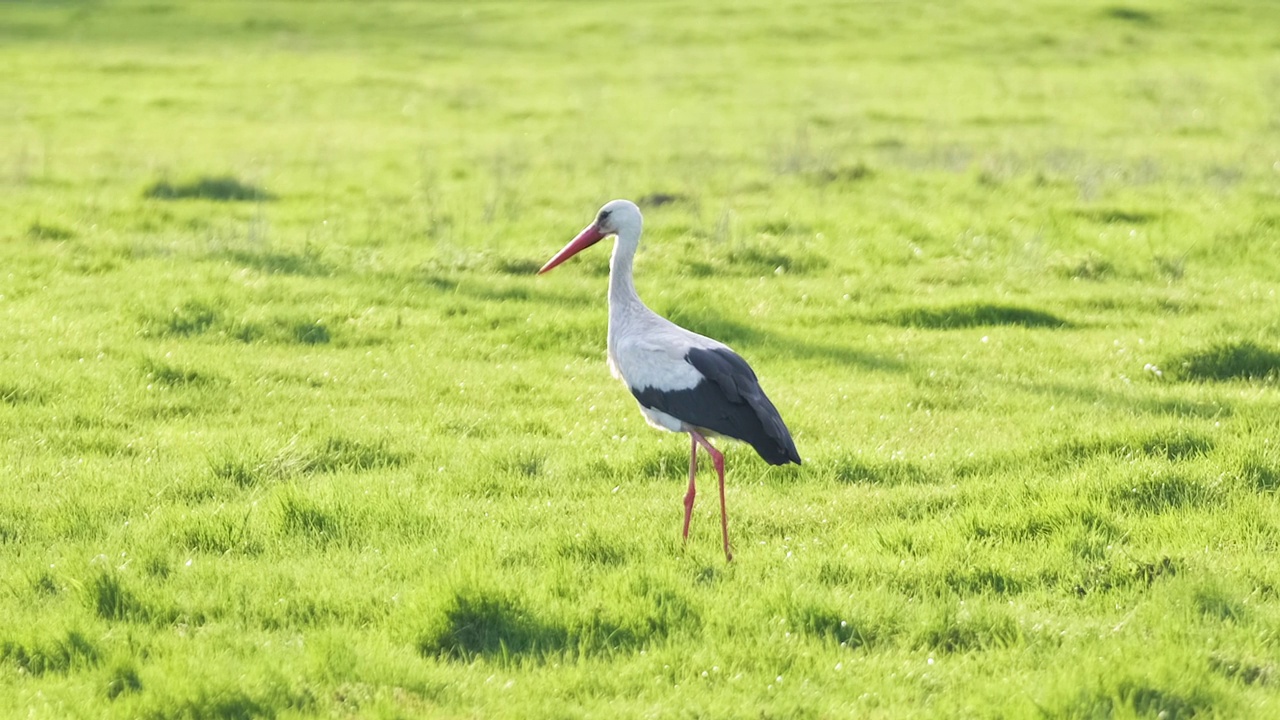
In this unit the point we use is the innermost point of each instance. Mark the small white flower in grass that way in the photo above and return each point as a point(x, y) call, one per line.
point(985, 338)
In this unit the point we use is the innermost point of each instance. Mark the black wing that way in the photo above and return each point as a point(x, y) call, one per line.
point(729, 402)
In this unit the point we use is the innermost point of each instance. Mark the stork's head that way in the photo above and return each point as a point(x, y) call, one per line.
point(617, 217)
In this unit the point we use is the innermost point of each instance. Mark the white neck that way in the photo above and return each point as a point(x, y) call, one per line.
point(625, 307)
point(622, 289)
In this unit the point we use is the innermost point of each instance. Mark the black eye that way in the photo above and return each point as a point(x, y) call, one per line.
point(604, 217)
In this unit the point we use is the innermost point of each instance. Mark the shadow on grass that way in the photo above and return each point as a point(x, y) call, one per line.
point(974, 315)
point(968, 631)
point(174, 376)
point(1126, 401)
point(306, 262)
point(1164, 493)
point(49, 231)
point(13, 394)
point(1117, 216)
point(1227, 361)
point(1174, 446)
point(498, 626)
point(491, 626)
point(743, 337)
point(1138, 698)
point(1130, 15)
point(826, 622)
point(1245, 670)
point(893, 473)
point(112, 600)
point(223, 188)
point(72, 651)
point(594, 550)
point(1106, 577)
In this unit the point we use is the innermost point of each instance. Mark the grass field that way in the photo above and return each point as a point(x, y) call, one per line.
point(290, 427)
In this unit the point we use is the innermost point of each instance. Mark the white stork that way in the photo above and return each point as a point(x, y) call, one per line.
point(684, 382)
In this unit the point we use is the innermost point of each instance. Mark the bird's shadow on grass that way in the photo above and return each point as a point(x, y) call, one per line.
point(748, 338)
point(744, 338)
point(1091, 395)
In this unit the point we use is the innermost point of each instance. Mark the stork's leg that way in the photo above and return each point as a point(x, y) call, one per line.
point(688, 497)
point(718, 460)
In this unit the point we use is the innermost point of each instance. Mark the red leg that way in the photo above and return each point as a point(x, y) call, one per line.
point(688, 497)
point(718, 460)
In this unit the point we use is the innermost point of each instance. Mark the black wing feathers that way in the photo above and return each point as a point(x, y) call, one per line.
point(729, 402)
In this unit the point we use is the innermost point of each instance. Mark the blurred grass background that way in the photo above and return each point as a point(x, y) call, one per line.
point(290, 428)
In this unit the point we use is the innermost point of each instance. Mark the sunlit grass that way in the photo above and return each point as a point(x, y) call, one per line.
point(291, 428)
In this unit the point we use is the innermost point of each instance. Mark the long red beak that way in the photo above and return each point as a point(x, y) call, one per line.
point(588, 237)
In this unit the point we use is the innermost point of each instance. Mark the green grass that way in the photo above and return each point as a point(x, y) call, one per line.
point(290, 427)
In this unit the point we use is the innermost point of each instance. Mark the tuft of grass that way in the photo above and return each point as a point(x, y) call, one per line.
point(659, 199)
point(1173, 445)
point(1091, 266)
point(1107, 577)
point(1130, 697)
point(1247, 671)
point(308, 261)
point(845, 628)
point(344, 454)
point(188, 318)
point(1227, 361)
point(311, 333)
point(49, 231)
point(518, 266)
point(1163, 493)
point(70, 652)
point(123, 679)
point(525, 463)
point(322, 523)
point(111, 599)
point(851, 173)
point(1259, 473)
point(970, 630)
point(595, 550)
point(890, 473)
point(986, 580)
point(242, 472)
point(220, 188)
point(20, 394)
point(974, 315)
point(175, 376)
point(1216, 604)
point(762, 257)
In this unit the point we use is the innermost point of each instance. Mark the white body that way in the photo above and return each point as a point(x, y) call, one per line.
point(645, 349)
